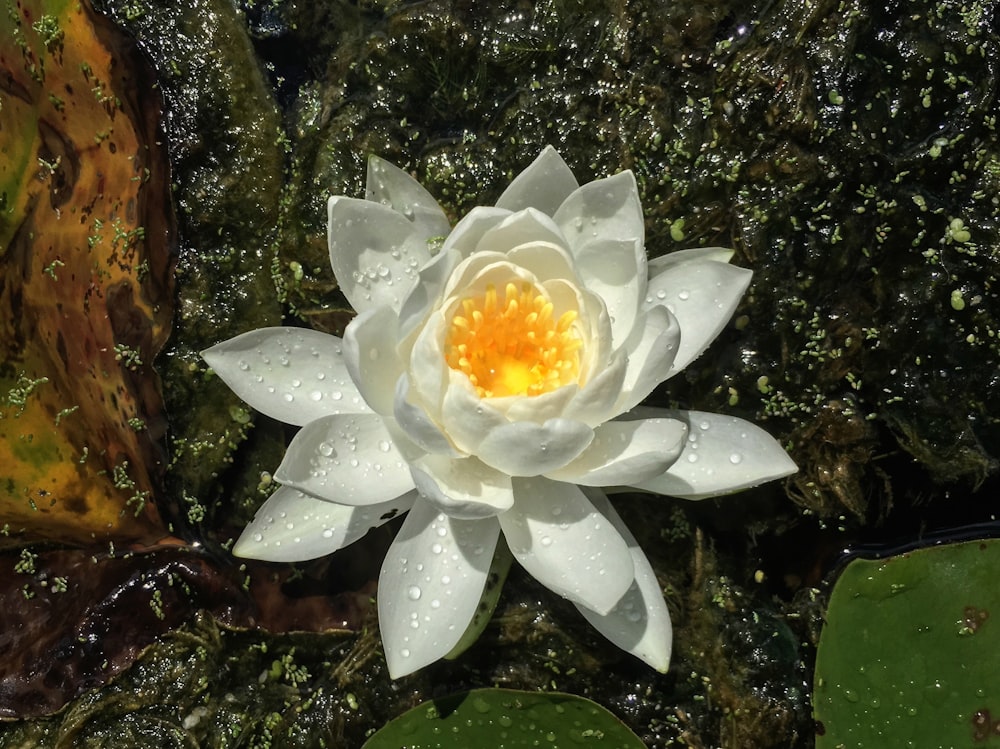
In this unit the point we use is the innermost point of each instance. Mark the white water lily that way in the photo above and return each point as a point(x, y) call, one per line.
point(490, 387)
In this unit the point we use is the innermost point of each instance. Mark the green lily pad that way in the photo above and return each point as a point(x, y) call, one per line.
point(488, 718)
point(910, 655)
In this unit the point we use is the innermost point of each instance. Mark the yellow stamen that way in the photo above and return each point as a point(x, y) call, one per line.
point(513, 347)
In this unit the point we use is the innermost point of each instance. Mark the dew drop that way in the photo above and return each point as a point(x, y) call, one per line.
point(661, 295)
point(243, 365)
point(316, 395)
point(258, 537)
point(325, 449)
point(288, 397)
point(328, 533)
point(683, 295)
point(413, 593)
point(445, 580)
point(692, 458)
point(442, 531)
point(384, 446)
point(405, 652)
point(736, 458)
point(336, 395)
point(437, 548)
point(546, 541)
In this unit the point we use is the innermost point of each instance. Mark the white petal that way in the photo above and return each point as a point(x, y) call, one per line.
point(544, 185)
point(565, 543)
point(702, 296)
point(545, 260)
point(427, 291)
point(526, 227)
point(537, 408)
point(606, 208)
point(348, 459)
point(640, 622)
point(672, 259)
point(391, 186)
point(375, 252)
point(651, 351)
point(595, 402)
point(370, 353)
point(466, 417)
point(417, 425)
point(616, 270)
point(462, 487)
point(428, 370)
point(470, 229)
point(722, 454)
point(523, 448)
point(291, 374)
point(293, 527)
point(431, 582)
point(624, 452)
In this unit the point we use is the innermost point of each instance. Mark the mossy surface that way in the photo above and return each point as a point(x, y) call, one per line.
point(846, 150)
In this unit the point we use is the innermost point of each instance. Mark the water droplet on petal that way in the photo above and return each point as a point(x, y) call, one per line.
point(258, 537)
point(736, 458)
point(384, 446)
point(413, 593)
point(683, 295)
point(243, 365)
point(325, 449)
point(546, 541)
point(405, 653)
point(328, 533)
point(437, 548)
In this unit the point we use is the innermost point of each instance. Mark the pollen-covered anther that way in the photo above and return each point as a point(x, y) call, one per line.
point(513, 347)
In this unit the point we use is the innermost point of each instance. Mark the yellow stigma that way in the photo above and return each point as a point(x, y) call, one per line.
point(514, 347)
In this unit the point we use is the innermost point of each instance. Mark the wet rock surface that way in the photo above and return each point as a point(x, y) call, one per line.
point(847, 152)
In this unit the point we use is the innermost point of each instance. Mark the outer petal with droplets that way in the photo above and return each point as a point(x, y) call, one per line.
point(389, 185)
point(544, 185)
point(722, 454)
point(291, 374)
point(561, 539)
point(293, 527)
point(370, 354)
point(431, 583)
point(702, 295)
point(624, 452)
point(348, 459)
point(640, 622)
point(464, 488)
point(371, 249)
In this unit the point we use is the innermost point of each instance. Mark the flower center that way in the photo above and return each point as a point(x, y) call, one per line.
point(514, 347)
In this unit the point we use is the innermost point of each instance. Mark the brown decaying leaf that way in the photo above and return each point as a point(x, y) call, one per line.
point(85, 278)
point(73, 619)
